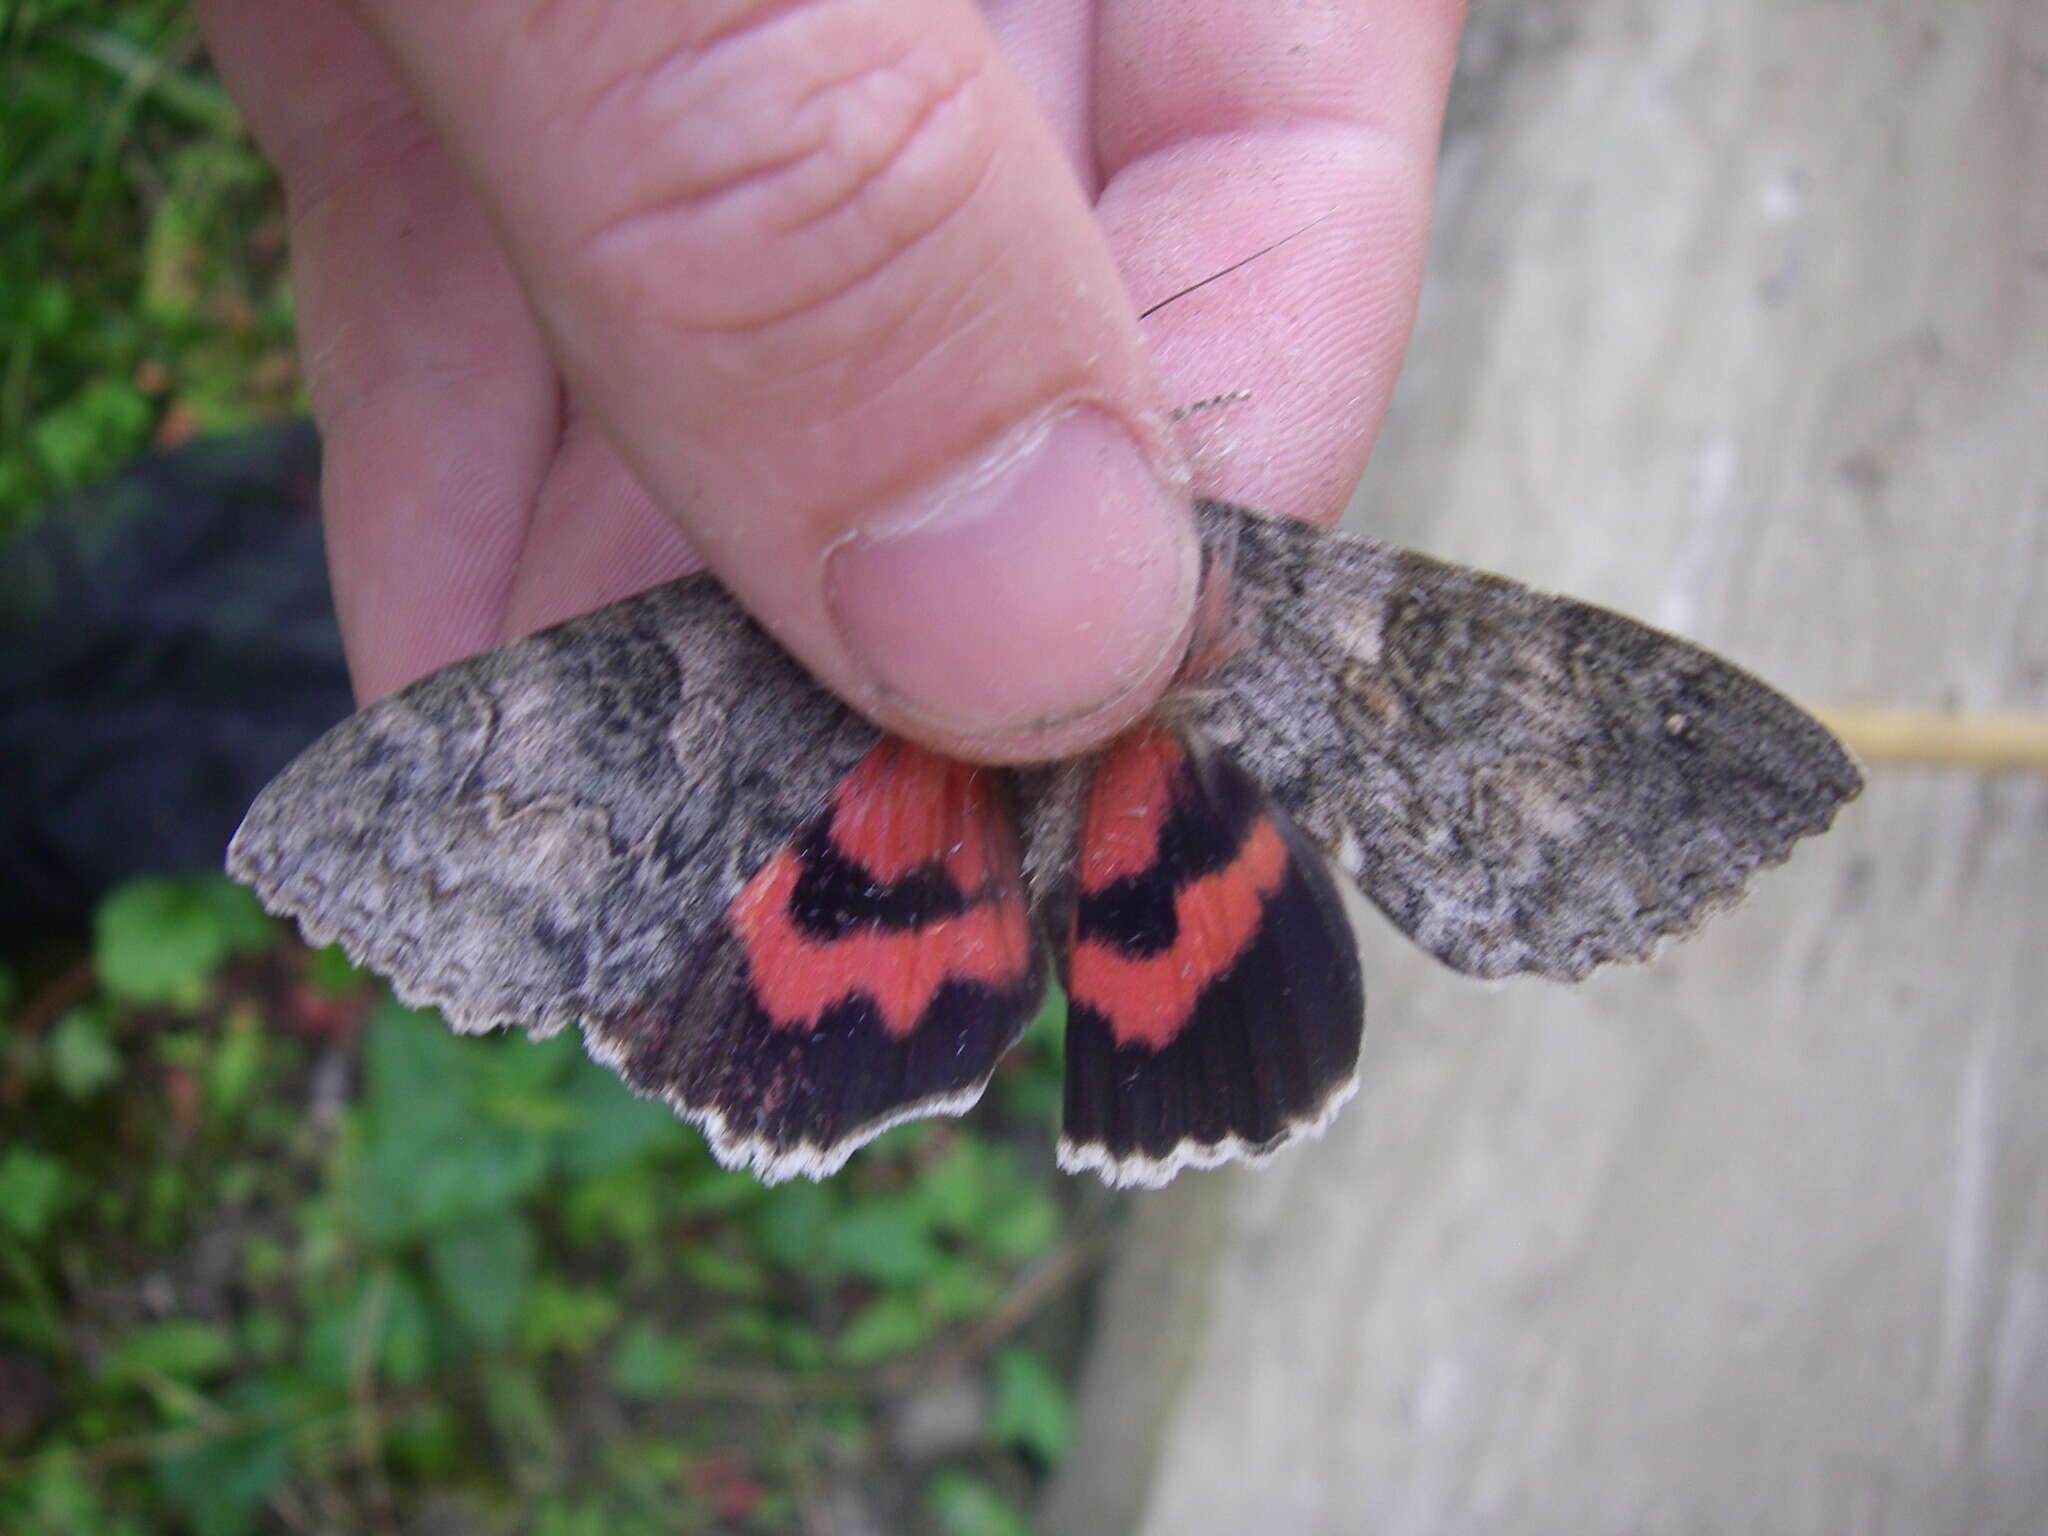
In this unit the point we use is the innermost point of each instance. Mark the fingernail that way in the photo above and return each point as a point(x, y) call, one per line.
point(1039, 588)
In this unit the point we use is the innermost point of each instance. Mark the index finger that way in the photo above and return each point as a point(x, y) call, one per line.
point(1305, 132)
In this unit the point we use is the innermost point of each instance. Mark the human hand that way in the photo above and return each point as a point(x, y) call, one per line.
point(851, 288)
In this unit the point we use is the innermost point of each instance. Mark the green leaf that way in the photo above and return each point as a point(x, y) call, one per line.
point(1030, 1409)
point(520, 1084)
point(82, 1058)
point(427, 1439)
point(236, 1065)
point(412, 1184)
point(331, 973)
point(714, 1190)
point(56, 1498)
point(801, 1346)
point(621, 1202)
point(647, 1363)
point(265, 1334)
point(383, 1313)
point(430, 1158)
point(565, 1317)
point(891, 1324)
point(886, 1238)
point(33, 1188)
point(790, 1224)
point(186, 1350)
point(755, 1328)
point(721, 1272)
point(417, 1070)
point(647, 1467)
point(47, 313)
point(966, 1506)
point(405, 1352)
point(1032, 1075)
point(173, 257)
point(1048, 1032)
point(560, 1517)
point(953, 1189)
point(90, 433)
point(264, 1260)
point(166, 1192)
point(481, 1270)
point(960, 1287)
point(245, 927)
point(156, 941)
point(221, 1485)
point(1021, 1225)
point(607, 1126)
point(519, 1413)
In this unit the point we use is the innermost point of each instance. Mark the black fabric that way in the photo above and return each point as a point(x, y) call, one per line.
point(167, 643)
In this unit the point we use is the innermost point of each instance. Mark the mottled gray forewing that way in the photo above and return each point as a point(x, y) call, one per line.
point(544, 832)
point(1520, 781)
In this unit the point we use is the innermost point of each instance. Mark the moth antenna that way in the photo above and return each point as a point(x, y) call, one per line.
point(1181, 413)
point(1242, 261)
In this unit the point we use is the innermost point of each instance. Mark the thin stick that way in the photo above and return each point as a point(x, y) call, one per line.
point(1033, 1290)
point(1994, 743)
point(1242, 261)
point(1027, 1296)
point(366, 1422)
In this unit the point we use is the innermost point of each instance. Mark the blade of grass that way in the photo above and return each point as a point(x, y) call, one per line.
point(162, 75)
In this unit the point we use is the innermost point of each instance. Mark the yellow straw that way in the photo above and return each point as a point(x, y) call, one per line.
point(1999, 743)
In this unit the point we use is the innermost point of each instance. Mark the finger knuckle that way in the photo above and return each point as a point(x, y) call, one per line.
point(778, 168)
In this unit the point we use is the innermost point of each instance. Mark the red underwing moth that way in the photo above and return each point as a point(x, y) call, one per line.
point(651, 822)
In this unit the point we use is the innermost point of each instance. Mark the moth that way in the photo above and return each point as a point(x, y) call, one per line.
point(798, 931)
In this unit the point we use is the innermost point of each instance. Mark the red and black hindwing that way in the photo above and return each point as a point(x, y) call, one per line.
point(874, 970)
point(1215, 1005)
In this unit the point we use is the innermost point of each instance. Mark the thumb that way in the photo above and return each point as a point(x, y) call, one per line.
point(821, 273)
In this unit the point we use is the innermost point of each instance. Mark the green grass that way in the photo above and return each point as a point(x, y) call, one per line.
point(278, 1254)
point(142, 284)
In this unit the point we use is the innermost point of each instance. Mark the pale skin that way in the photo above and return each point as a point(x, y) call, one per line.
point(842, 298)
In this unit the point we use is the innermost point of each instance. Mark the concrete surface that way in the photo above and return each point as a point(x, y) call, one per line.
point(1738, 319)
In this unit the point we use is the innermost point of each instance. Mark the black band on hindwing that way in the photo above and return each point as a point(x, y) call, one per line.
point(1204, 830)
point(835, 896)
